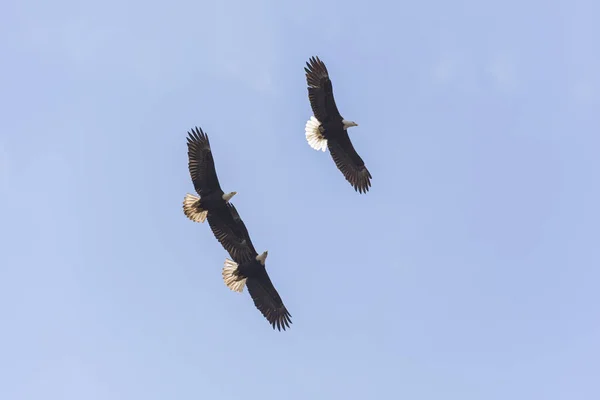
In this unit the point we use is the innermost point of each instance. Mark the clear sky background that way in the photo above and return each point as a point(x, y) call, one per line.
point(470, 271)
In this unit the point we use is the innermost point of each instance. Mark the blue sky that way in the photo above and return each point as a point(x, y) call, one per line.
point(469, 271)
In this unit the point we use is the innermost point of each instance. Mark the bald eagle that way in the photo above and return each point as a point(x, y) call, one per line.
point(212, 201)
point(248, 269)
point(212, 205)
point(326, 128)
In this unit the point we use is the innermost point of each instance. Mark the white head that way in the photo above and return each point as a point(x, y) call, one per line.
point(228, 196)
point(261, 258)
point(348, 124)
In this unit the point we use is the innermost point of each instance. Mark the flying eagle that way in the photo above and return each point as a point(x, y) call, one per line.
point(248, 269)
point(212, 200)
point(326, 128)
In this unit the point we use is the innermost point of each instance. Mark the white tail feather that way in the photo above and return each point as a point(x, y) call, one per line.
point(313, 135)
point(233, 281)
point(191, 210)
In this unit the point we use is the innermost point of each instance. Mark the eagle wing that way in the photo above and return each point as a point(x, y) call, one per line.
point(201, 163)
point(349, 162)
point(230, 230)
point(320, 91)
point(267, 301)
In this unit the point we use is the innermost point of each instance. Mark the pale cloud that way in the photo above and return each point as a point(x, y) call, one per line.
point(581, 56)
point(454, 71)
point(454, 68)
point(584, 88)
point(584, 91)
point(450, 63)
point(445, 70)
point(502, 71)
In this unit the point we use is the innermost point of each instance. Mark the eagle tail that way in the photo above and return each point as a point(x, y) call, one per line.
point(231, 278)
point(192, 209)
point(314, 137)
